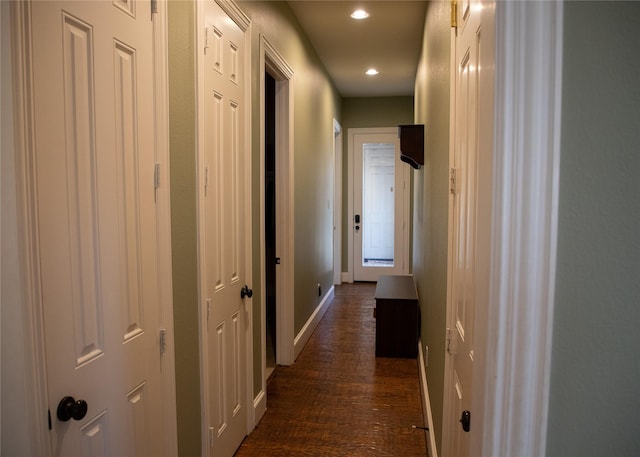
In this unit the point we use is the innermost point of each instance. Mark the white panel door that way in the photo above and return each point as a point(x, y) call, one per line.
point(94, 152)
point(223, 262)
point(463, 230)
point(380, 196)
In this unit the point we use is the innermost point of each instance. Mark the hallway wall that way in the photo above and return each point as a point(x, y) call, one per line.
point(431, 199)
point(316, 104)
point(595, 371)
point(182, 133)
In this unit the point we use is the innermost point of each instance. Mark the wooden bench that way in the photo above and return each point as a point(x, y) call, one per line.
point(397, 317)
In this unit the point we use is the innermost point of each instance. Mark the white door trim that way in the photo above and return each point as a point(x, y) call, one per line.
point(27, 223)
point(271, 61)
point(163, 216)
point(33, 326)
point(519, 321)
point(352, 132)
point(337, 203)
point(276, 65)
point(448, 403)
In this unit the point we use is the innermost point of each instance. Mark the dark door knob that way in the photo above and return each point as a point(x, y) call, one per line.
point(465, 420)
point(246, 292)
point(69, 408)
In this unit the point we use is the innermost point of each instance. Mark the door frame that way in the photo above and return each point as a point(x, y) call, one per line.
point(514, 318)
point(337, 203)
point(352, 132)
point(28, 233)
point(525, 202)
point(271, 61)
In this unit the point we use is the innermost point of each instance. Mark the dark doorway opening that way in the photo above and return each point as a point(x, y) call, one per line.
point(270, 219)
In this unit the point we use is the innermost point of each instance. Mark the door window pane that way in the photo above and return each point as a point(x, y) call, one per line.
point(378, 178)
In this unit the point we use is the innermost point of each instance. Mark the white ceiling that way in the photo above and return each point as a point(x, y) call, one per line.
point(389, 40)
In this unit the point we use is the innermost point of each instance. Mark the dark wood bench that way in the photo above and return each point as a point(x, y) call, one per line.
point(397, 317)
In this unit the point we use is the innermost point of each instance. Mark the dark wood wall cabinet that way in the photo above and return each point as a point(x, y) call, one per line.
point(412, 144)
point(397, 317)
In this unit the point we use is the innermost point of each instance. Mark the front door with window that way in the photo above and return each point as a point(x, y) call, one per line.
point(380, 198)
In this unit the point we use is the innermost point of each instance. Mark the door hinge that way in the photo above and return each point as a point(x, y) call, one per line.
point(154, 7)
point(206, 178)
point(156, 176)
point(163, 340)
point(208, 308)
point(454, 14)
point(452, 181)
point(212, 435)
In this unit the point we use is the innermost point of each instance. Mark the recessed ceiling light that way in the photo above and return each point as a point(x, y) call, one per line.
point(371, 72)
point(359, 14)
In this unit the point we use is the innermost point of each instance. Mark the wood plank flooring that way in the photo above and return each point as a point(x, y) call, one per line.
point(338, 399)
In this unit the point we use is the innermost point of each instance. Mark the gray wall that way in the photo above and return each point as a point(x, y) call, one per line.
point(595, 378)
point(183, 223)
point(366, 112)
point(431, 199)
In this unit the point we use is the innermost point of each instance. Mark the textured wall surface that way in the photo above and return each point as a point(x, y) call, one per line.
point(431, 198)
point(182, 132)
point(595, 363)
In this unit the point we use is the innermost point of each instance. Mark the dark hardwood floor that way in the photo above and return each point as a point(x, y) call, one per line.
point(338, 399)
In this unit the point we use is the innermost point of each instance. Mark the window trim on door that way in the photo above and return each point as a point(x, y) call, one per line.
point(337, 203)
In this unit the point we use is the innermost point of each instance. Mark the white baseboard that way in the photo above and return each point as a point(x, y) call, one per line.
point(259, 406)
point(432, 450)
point(347, 276)
point(260, 402)
point(304, 335)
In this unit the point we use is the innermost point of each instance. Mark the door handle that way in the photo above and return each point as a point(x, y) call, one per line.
point(69, 408)
point(465, 420)
point(246, 292)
